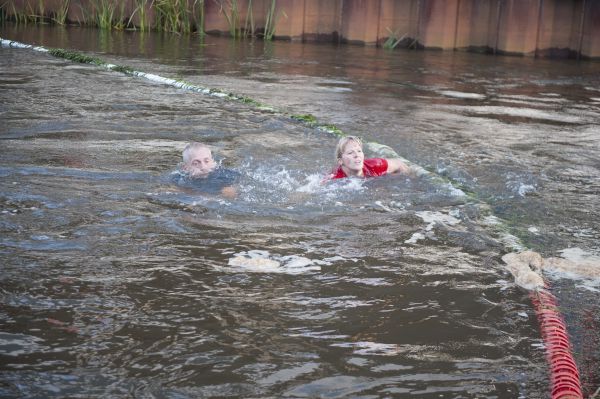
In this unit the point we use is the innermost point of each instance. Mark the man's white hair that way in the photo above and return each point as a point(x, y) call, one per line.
point(190, 148)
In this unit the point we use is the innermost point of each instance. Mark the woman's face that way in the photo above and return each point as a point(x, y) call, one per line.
point(352, 158)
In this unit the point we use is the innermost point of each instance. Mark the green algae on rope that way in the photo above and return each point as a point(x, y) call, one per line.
point(75, 56)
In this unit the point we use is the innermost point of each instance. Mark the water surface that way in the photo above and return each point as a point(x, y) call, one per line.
point(115, 282)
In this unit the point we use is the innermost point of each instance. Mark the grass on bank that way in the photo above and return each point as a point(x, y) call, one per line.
point(176, 16)
point(271, 20)
point(60, 16)
point(230, 11)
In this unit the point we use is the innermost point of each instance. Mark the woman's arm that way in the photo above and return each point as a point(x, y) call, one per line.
point(396, 165)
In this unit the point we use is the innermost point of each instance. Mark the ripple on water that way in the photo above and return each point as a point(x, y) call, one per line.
point(463, 95)
point(20, 344)
point(187, 295)
point(529, 113)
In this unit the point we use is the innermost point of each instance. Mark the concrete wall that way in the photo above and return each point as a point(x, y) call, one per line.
point(540, 28)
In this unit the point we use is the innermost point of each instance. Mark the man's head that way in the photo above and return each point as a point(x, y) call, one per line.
point(198, 160)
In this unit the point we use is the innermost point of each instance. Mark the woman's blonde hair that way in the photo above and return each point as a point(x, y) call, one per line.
point(341, 145)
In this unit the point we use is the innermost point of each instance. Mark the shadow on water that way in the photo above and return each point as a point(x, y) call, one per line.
point(117, 282)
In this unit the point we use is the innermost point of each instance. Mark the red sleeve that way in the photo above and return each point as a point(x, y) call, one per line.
point(375, 167)
point(338, 173)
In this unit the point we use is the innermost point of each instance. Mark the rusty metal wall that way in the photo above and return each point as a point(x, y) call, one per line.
point(540, 28)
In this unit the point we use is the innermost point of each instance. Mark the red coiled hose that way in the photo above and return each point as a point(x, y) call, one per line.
point(564, 375)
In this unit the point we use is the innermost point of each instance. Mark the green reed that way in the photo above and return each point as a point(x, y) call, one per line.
point(249, 23)
point(32, 14)
point(41, 12)
point(173, 15)
point(86, 15)
point(231, 14)
point(393, 40)
point(11, 12)
point(199, 6)
point(60, 15)
point(271, 20)
point(120, 23)
point(177, 16)
point(141, 8)
point(4, 11)
point(101, 15)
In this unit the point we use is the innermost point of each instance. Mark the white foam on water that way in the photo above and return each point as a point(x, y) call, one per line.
point(337, 82)
point(549, 98)
point(433, 218)
point(577, 254)
point(437, 217)
point(575, 263)
point(525, 268)
point(371, 348)
point(331, 260)
point(336, 89)
point(350, 184)
point(373, 281)
point(312, 184)
point(525, 188)
point(384, 207)
point(509, 240)
point(261, 261)
point(457, 192)
point(491, 220)
point(414, 238)
point(460, 94)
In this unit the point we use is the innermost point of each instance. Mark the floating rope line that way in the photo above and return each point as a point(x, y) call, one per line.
point(564, 375)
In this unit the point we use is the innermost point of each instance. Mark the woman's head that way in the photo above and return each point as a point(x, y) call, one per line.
point(349, 155)
point(343, 142)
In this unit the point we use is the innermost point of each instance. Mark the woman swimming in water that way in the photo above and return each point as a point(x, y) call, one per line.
point(351, 161)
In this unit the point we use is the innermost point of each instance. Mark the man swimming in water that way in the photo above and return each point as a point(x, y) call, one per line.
point(201, 172)
point(198, 160)
point(351, 161)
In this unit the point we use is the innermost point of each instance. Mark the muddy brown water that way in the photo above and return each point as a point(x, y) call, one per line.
point(117, 283)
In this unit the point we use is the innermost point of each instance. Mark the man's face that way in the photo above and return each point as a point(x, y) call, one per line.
point(201, 163)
